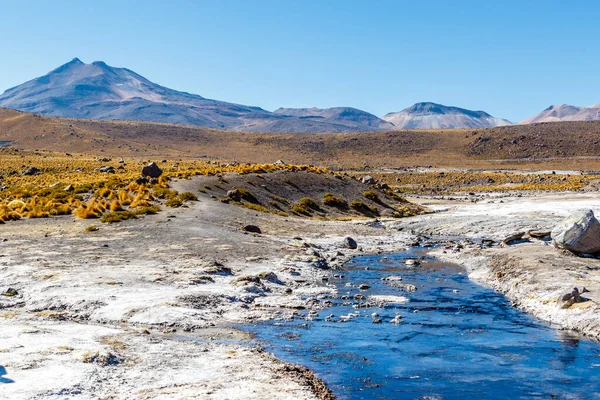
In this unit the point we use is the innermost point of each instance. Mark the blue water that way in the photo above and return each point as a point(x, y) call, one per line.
point(451, 345)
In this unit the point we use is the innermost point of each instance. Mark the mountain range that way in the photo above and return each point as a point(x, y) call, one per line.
point(566, 112)
point(99, 91)
point(437, 116)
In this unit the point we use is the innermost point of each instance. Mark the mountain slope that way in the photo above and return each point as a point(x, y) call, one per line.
point(436, 116)
point(560, 145)
point(566, 112)
point(347, 116)
point(99, 91)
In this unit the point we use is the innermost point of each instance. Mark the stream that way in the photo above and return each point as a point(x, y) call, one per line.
point(457, 339)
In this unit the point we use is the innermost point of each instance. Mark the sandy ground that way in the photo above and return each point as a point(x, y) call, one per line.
point(145, 308)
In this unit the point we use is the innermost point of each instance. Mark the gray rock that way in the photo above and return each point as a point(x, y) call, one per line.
point(368, 179)
point(106, 170)
point(234, 195)
point(513, 238)
point(579, 233)
point(31, 171)
point(10, 292)
point(350, 243)
point(251, 228)
point(539, 234)
point(152, 170)
point(570, 298)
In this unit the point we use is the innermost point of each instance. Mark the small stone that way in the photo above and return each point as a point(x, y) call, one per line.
point(31, 171)
point(368, 179)
point(350, 243)
point(234, 195)
point(10, 292)
point(251, 228)
point(152, 170)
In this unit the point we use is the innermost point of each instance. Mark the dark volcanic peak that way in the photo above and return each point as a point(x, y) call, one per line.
point(427, 115)
point(99, 91)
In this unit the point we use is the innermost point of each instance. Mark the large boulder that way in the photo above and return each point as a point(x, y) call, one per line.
point(152, 170)
point(579, 233)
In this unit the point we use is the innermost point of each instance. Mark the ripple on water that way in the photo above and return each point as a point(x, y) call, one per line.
point(457, 340)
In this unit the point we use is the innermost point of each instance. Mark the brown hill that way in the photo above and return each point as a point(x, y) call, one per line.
point(572, 145)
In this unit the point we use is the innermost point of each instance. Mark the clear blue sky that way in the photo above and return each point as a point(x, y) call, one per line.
point(509, 58)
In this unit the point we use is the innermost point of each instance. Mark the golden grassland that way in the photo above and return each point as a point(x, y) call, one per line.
point(73, 185)
point(67, 184)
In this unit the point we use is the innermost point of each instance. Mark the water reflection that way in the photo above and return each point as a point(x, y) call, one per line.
point(458, 340)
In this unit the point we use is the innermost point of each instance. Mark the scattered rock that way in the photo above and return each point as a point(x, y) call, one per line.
point(235, 195)
point(513, 238)
point(392, 278)
point(411, 262)
point(10, 292)
point(69, 188)
point(269, 277)
point(409, 288)
point(539, 234)
point(568, 299)
point(152, 170)
point(106, 170)
point(251, 228)
point(350, 243)
point(216, 268)
point(364, 286)
point(389, 299)
point(102, 358)
point(368, 179)
point(579, 233)
point(31, 171)
point(141, 180)
point(279, 162)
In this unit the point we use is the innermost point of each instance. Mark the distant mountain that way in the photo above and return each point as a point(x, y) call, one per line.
point(99, 91)
point(566, 112)
point(347, 116)
point(436, 116)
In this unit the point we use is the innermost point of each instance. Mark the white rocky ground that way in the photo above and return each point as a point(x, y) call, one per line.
point(144, 308)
